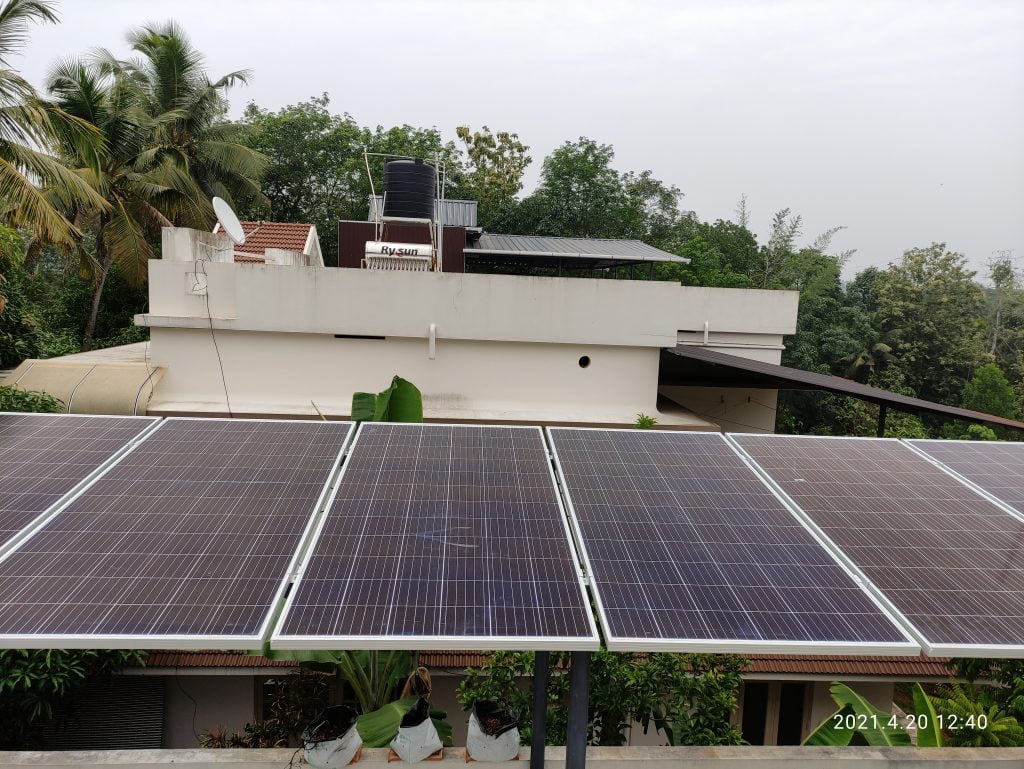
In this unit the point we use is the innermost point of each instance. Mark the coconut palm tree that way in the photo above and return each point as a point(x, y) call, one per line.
point(172, 80)
point(35, 185)
point(873, 357)
point(166, 148)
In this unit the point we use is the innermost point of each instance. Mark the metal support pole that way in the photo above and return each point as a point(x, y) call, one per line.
point(540, 709)
point(579, 701)
point(881, 420)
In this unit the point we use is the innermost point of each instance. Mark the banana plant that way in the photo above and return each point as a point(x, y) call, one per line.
point(378, 729)
point(401, 402)
point(372, 675)
point(857, 722)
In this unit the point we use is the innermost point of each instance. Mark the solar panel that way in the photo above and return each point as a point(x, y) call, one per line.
point(995, 467)
point(442, 537)
point(948, 560)
point(44, 457)
point(689, 550)
point(185, 543)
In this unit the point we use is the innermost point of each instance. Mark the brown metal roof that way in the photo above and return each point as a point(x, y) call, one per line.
point(705, 367)
point(909, 668)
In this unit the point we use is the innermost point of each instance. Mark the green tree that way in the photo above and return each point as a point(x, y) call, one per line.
point(190, 126)
point(148, 159)
point(582, 195)
point(989, 391)
point(37, 684)
point(35, 187)
point(687, 697)
point(930, 312)
point(495, 167)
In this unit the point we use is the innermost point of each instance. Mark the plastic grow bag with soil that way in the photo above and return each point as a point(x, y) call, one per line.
point(493, 733)
point(332, 740)
point(417, 738)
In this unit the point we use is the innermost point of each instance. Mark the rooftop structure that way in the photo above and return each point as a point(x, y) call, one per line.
point(273, 237)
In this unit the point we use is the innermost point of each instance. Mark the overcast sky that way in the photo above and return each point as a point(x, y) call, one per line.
point(903, 121)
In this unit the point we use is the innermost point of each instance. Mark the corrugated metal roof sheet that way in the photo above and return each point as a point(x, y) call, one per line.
point(719, 370)
point(886, 667)
point(571, 248)
point(457, 213)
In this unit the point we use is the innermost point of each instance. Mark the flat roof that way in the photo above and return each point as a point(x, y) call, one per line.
point(693, 365)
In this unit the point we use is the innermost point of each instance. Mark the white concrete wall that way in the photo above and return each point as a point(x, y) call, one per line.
point(205, 703)
point(505, 348)
point(726, 757)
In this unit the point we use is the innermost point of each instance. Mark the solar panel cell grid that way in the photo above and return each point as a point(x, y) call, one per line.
point(44, 456)
point(444, 533)
point(947, 559)
point(994, 466)
point(688, 546)
point(189, 536)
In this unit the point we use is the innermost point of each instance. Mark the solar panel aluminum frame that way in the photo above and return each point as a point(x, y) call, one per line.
point(911, 648)
point(76, 491)
point(185, 642)
point(1001, 651)
point(1005, 506)
point(440, 643)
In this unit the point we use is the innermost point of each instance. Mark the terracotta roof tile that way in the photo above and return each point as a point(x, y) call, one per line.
point(894, 667)
point(259, 236)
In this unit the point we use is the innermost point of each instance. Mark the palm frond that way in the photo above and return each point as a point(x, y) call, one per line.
point(15, 17)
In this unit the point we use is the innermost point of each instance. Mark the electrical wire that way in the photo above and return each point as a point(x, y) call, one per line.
point(195, 704)
point(196, 286)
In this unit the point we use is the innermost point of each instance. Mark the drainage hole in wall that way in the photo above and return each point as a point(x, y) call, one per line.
point(584, 361)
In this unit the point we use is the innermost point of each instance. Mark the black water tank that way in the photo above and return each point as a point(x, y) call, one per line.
point(410, 187)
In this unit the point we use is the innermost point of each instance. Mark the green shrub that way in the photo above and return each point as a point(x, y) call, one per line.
point(15, 399)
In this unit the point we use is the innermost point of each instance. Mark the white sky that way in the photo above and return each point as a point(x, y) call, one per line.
point(903, 121)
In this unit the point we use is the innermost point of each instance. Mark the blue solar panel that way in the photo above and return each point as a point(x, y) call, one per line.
point(950, 561)
point(442, 537)
point(688, 549)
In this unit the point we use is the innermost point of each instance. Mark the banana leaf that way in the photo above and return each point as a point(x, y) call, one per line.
point(870, 725)
point(363, 406)
point(379, 728)
point(828, 733)
point(930, 736)
point(401, 402)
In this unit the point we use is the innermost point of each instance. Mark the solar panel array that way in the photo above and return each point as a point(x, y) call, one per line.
point(442, 536)
point(45, 456)
point(950, 561)
point(994, 466)
point(186, 541)
point(688, 549)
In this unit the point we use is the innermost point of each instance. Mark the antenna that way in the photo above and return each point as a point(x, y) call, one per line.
point(228, 221)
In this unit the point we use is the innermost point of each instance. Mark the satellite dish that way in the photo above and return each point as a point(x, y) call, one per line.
point(228, 221)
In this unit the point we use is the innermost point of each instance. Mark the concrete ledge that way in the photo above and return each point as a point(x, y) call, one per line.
point(745, 757)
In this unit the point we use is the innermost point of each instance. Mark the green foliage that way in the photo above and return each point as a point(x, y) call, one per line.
point(980, 433)
point(930, 310)
point(861, 723)
point(644, 422)
point(36, 684)
point(292, 702)
point(496, 163)
point(15, 399)
point(380, 727)
point(688, 698)
point(966, 704)
point(989, 391)
point(929, 733)
point(401, 402)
